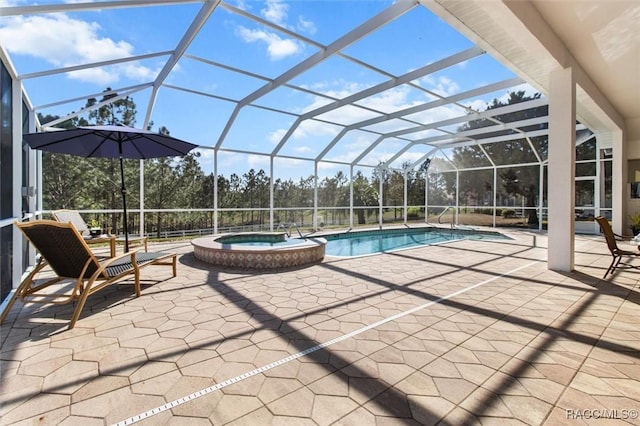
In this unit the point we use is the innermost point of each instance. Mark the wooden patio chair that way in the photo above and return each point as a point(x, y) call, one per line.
point(612, 243)
point(77, 272)
point(74, 217)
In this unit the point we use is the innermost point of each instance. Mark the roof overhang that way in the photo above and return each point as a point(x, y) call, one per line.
point(600, 41)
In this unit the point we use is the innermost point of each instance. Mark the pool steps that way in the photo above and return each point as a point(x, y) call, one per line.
point(442, 214)
point(287, 229)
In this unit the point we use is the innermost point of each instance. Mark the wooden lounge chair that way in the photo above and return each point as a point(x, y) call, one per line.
point(77, 272)
point(74, 217)
point(612, 244)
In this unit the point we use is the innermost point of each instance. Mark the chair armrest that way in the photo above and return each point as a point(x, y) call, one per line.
point(624, 237)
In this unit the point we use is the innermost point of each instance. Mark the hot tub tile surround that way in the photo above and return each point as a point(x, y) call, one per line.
point(220, 250)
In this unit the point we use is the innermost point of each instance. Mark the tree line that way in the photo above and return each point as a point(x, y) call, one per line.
point(180, 183)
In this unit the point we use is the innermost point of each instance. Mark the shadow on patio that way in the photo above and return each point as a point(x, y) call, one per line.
point(461, 333)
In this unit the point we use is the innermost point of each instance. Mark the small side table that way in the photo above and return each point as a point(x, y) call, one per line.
point(133, 242)
point(111, 239)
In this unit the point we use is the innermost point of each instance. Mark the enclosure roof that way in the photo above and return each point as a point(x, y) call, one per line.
point(344, 82)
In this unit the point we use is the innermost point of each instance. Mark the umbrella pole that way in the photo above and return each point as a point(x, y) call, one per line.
point(124, 204)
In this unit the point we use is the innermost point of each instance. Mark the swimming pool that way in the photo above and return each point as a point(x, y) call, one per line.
point(362, 243)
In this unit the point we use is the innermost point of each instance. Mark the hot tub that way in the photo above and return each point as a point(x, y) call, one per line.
point(265, 250)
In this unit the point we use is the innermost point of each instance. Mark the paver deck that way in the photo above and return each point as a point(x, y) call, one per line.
point(469, 332)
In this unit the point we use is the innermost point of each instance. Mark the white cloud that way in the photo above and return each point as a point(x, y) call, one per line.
point(353, 148)
point(228, 159)
point(276, 136)
point(277, 47)
point(390, 100)
point(386, 102)
point(258, 161)
point(234, 162)
point(275, 11)
point(309, 128)
point(441, 113)
point(311, 131)
point(306, 26)
point(338, 88)
point(206, 158)
point(243, 5)
point(330, 169)
point(442, 85)
point(63, 41)
point(463, 64)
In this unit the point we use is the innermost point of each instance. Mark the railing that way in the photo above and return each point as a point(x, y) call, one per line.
point(286, 227)
point(442, 214)
point(208, 231)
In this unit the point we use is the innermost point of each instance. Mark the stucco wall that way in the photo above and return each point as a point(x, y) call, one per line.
point(633, 146)
point(633, 153)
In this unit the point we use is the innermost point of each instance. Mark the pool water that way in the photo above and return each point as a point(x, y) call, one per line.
point(372, 242)
point(285, 243)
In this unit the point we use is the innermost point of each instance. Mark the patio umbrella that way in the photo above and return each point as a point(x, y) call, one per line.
point(112, 141)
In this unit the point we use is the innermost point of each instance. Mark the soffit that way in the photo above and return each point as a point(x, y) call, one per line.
point(604, 38)
point(534, 38)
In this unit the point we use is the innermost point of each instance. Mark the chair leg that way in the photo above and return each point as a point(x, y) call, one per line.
point(22, 288)
point(136, 274)
point(614, 264)
point(80, 304)
point(609, 268)
point(7, 309)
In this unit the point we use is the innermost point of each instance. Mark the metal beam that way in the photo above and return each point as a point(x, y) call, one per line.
point(198, 22)
point(384, 17)
point(87, 6)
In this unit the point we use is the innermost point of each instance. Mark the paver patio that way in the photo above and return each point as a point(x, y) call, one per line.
point(469, 332)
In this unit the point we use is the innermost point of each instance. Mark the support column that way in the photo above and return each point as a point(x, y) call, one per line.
point(619, 184)
point(495, 194)
point(406, 196)
point(562, 165)
point(15, 259)
point(426, 196)
point(455, 219)
point(215, 191)
point(315, 196)
point(380, 198)
point(351, 196)
point(271, 194)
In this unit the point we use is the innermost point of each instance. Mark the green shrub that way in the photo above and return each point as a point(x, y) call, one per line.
point(413, 213)
point(508, 213)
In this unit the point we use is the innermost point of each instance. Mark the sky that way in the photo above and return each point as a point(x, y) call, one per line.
point(263, 49)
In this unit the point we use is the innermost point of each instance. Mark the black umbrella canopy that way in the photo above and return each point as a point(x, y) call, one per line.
point(111, 141)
